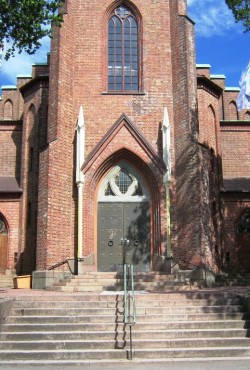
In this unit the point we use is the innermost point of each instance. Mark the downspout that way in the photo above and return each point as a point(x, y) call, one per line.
point(166, 145)
point(80, 154)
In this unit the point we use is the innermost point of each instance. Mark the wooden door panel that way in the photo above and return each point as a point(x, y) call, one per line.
point(3, 252)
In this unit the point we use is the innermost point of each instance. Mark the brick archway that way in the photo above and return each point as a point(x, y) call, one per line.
point(93, 181)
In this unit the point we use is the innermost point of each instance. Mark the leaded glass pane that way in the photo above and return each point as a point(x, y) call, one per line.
point(109, 191)
point(123, 50)
point(123, 181)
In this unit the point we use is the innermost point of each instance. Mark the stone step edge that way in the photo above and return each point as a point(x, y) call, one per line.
point(122, 331)
point(149, 350)
point(135, 360)
point(121, 322)
point(147, 341)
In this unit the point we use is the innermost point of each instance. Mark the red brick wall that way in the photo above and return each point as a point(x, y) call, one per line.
point(189, 237)
point(235, 142)
point(209, 128)
point(229, 107)
point(14, 97)
point(10, 148)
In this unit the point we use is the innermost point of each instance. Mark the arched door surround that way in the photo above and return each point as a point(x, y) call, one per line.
point(124, 227)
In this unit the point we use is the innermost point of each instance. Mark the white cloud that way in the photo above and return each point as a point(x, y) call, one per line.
point(22, 63)
point(212, 17)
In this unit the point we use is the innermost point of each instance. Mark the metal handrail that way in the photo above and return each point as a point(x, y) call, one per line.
point(129, 296)
point(129, 303)
point(58, 264)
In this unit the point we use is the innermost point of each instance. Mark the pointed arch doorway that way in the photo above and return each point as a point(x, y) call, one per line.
point(124, 231)
point(3, 245)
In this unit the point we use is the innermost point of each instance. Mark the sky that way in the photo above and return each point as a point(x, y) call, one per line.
point(220, 42)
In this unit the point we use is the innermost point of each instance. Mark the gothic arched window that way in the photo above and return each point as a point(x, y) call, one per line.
point(123, 183)
point(123, 51)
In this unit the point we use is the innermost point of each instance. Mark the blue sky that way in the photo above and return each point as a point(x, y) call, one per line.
point(220, 42)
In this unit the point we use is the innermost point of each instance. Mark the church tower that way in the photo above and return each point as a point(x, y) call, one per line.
point(131, 66)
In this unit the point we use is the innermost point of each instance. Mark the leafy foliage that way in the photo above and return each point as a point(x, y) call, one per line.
point(23, 23)
point(241, 11)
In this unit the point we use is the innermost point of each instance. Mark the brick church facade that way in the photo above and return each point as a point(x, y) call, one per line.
point(131, 66)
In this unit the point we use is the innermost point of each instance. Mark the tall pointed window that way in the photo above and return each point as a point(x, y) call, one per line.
point(123, 62)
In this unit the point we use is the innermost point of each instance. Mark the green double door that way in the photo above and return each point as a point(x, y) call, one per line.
point(123, 236)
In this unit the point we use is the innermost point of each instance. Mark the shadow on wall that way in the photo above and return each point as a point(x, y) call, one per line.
point(34, 142)
point(197, 215)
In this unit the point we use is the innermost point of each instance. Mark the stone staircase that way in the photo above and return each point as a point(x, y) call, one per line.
point(78, 328)
point(113, 281)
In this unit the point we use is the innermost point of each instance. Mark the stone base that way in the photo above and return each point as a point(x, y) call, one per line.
point(45, 279)
point(81, 265)
point(86, 264)
point(203, 277)
point(162, 264)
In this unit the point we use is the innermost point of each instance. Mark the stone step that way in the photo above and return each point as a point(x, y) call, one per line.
point(68, 345)
point(116, 283)
point(76, 326)
point(111, 296)
point(120, 303)
point(119, 334)
point(119, 275)
point(120, 311)
point(146, 278)
point(41, 355)
point(102, 354)
point(118, 287)
point(37, 323)
point(97, 281)
point(192, 353)
point(90, 327)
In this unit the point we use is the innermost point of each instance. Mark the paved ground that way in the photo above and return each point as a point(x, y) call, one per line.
point(219, 364)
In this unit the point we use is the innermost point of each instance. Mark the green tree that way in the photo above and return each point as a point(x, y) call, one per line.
point(241, 11)
point(23, 23)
